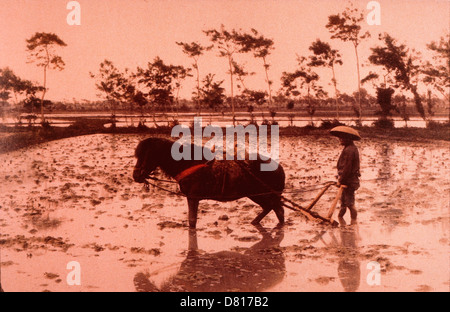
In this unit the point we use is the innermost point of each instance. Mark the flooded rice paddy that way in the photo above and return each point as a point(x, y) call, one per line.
point(75, 200)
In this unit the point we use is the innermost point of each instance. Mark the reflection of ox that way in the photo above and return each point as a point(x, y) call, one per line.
point(258, 268)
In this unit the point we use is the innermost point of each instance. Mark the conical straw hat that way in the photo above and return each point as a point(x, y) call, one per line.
point(344, 131)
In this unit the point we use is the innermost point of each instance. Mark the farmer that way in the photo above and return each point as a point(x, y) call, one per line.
point(348, 168)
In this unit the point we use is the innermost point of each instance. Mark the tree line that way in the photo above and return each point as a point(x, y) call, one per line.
point(158, 84)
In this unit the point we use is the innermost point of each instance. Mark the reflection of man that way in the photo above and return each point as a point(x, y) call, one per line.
point(348, 269)
point(348, 168)
point(347, 250)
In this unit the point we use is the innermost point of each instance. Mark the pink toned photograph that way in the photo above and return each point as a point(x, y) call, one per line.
point(256, 147)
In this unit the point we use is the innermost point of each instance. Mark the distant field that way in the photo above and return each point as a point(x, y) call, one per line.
point(150, 119)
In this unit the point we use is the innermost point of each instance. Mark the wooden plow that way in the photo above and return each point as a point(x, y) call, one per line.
point(312, 215)
point(307, 212)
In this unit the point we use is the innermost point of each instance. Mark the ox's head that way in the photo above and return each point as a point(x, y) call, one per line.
point(146, 161)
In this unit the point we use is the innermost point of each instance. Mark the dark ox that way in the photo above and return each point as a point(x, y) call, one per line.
point(221, 180)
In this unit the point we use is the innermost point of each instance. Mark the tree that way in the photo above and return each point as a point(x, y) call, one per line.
point(325, 56)
point(212, 93)
point(366, 98)
point(25, 89)
point(41, 48)
point(437, 75)
point(157, 79)
point(400, 103)
point(397, 60)
point(194, 50)
point(10, 82)
point(305, 75)
point(179, 74)
point(158, 82)
point(241, 73)
point(384, 99)
point(350, 100)
point(261, 48)
point(281, 99)
point(430, 104)
point(227, 43)
point(140, 100)
point(254, 97)
point(32, 102)
point(128, 93)
point(303, 78)
point(110, 81)
point(346, 26)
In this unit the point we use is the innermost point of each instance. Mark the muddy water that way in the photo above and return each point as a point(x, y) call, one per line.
point(75, 200)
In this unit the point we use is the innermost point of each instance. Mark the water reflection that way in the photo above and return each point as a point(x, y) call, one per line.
point(349, 271)
point(385, 171)
point(347, 250)
point(386, 210)
point(257, 268)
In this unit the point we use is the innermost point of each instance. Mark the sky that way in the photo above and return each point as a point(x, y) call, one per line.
point(131, 33)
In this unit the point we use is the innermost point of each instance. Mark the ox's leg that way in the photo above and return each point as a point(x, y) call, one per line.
point(268, 203)
point(279, 211)
point(193, 244)
point(193, 209)
point(261, 216)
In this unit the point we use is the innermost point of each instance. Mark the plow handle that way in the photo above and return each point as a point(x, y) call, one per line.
point(316, 199)
point(333, 205)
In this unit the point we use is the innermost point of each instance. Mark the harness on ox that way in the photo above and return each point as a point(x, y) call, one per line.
point(226, 173)
point(187, 172)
